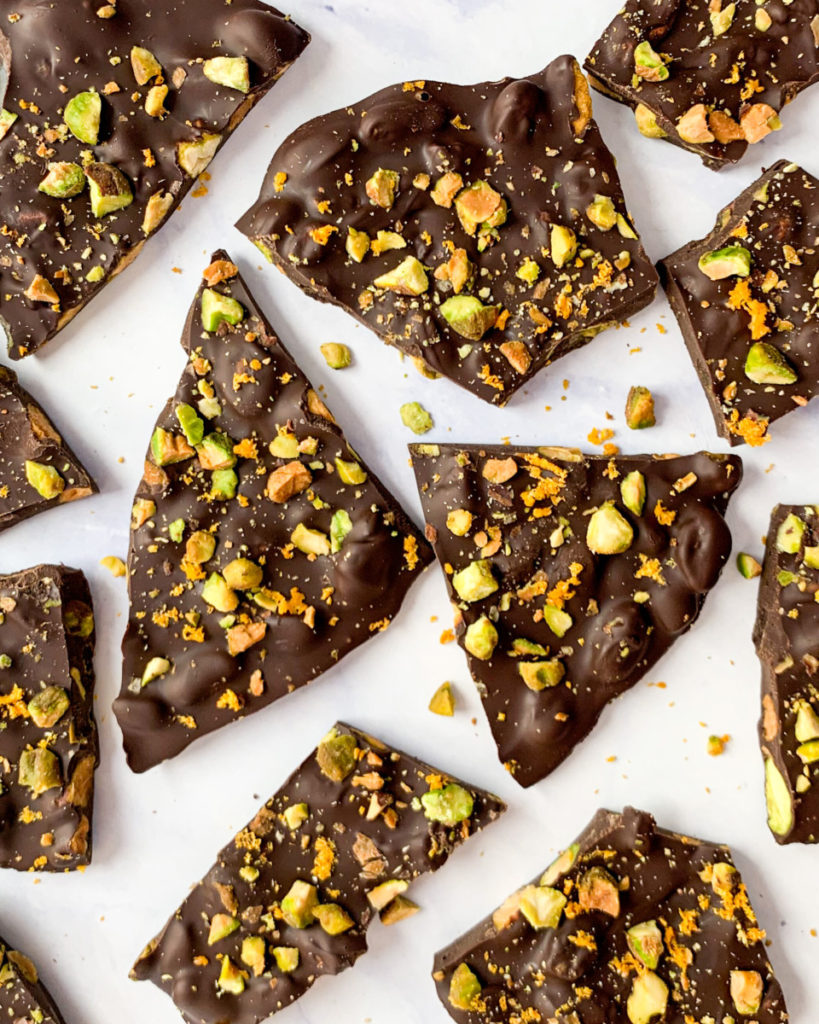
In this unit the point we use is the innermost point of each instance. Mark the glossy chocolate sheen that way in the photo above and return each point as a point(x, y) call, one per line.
point(776, 219)
point(47, 640)
point(625, 610)
point(360, 831)
point(28, 435)
point(582, 970)
point(728, 72)
point(533, 141)
point(23, 997)
point(319, 607)
point(53, 51)
point(786, 635)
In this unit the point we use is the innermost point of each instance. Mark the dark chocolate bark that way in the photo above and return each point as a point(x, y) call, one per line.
point(747, 300)
point(570, 575)
point(37, 468)
point(48, 737)
point(252, 569)
point(500, 204)
point(630, 919)
point(786, 635)
point(125, 58)
point(24, 999)
point(707, 75)
point(291, 898)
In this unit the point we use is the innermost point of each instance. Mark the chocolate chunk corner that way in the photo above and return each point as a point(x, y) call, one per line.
point(23, 996)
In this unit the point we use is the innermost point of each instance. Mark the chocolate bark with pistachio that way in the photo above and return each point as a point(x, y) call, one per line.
point(570, 575)
point(747, 300)
point(631, 923)
point(786, 635)
point(291, 898)
point(24, 999)
point(37, 468)
point(708, 75)
point(48, 738)
point(480, 229)
point(110, 112)
point(262, 548)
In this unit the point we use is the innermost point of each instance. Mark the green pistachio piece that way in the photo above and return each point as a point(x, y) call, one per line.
point(542, 906)
point(640, 408)
point(334, 920)
point(562, 244)
point(646, 943)
point(144, 65)
point(383, 894)
point(295, 815)
point(299, 904)
point(528, 271)
point(82, 115)
point(340, 526)
point(459, 521)
point(721, 20)
point(156, 210)
point(765, 364)
point(350, 472)
point(398, 910)
point(557, 620)
point(778, 800)
point(48, 706)
point(538, 675)
point(408, 278)
point(141, 512)
point(155, 669)
point(223, 483)
point(633, 492)
point(442, 701)
point(231, 979)
point(218, 594)
point(336, 755)
point(200, 547)
point(176, 530)
point(807, 722)
point(216, 452)
point(481, 638)
point(449, 805)
point(7, 119)
point(192, 426)
point(480, 208)
point(45, 480)
point(811, 557)
point(284, 445)
point(762, 20)
point(475, 582)
point(382, 187)
point(748, 566)
point(746, 986)
point(789, 534)
point(601, 212)
point(78, 620)
point(242, 574)
point(608, 533)
point(357, 244)
point(63, 181)
point(597, 890)
point(648, 998)
point(464, 988)
point(253, 951)
point(232, 72)
point(647, 122)
point(468, 316)
point(39, 770)
point(194, 157)
point(5, 661)
point(560, 865)
point(415, 416)
point(167, 448)
point(221, 926)
point(286, 957)
point(521, 647)
point(648, 63)
point(108, 188)
point(336, 356)
point(311, 542)
point(731, 261)
point(218, 308)
point(808, 752)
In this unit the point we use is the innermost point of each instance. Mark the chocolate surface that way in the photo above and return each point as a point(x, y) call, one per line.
point(771, 308)
point(621, 872)
point(555, 629)
point(325, 552)
point(357, 827)
point(786, 635)
point(53, 52)
point(37, 468)
point(478, 186)
point(48, 738)
point(23, 997)
point(714, 75)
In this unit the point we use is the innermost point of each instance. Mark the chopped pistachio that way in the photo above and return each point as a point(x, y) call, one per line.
point(286, 957)
point(82, 115)
point(299, 904)
point(336, 356)
point(450, 805)
point(350, 472)
point(475, 582)
point(45, 480)
point(640, 408)
point(39, 770)
point(443, 701)
point(645, 941)
point(221, 926)
point(789, 535)
point(765, 364)
point(648, 998)
point(232, 72)
point(408, 278)
point(336, 755)
point(542, 906)
point(217, 309)
point(155, 669)
point(63, 181)
point(633, 492)
point(748, 566)
point(563, 244)
point(334, 920)
point(468, 316)
point(109, 189)
point(464, 988)
point(539, 675)
point(601, 212)
point(48, 706)
point(242, 574)
point(217, 593)
point(481, 638)
point(416, 417)
point(730, 261)
point(311, 542)
point(608, 533)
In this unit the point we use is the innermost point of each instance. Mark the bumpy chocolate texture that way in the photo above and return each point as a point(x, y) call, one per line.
point(37, 468)
point(706, 75)
point(570, 575)
point(48, 738)
point(631, 923)
point(787, 642)
point(747, 301)
point(291, 898)
point(23, 997)
point(262, 549)
point(111, 110)
point(482, 230)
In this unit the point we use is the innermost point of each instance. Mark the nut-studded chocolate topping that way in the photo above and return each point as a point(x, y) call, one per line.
point(480, 229)
point(48, 738)
point(570, 575)
point(110, 112)
point(707, 75)
point(631, 923)
point(23, 997)
point(291, 898)
point(262, 549)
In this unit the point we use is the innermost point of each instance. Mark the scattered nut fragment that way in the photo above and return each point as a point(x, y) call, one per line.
point(640, 408)
point(114, 565)
point(42, 290)
point(443, 701)
point(716, 745)
point(416, 417)
point(336, 355)
point(748, 566)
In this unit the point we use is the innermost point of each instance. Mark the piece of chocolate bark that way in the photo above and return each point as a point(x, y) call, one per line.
point(786, 636)
point(631, 923)
point(37, 468)
point(262, 549)
point(291, 898)
point(110, 112)
point(24, 999)
point(481, 229)
point(707, 75)
point(48, 737)
point(746, 297)
point(570, 575)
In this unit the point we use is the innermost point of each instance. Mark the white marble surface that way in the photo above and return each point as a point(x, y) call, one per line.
point(110, 373)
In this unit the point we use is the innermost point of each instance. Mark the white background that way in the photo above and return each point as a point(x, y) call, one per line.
point(107, 376)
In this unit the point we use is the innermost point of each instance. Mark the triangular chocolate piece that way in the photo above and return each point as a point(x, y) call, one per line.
point(482, 230)
point(571, 575)
point(37, 468)
point(291, 898)
point(630, 923)
point(262, 549)
point(24, 999)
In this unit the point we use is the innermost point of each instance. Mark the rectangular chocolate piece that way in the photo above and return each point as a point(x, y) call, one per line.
point(48, 737)
point(480, 229)
point(24, 999)
point(291, 898)
point(111, 111)
point(571, 575)
point(707, 75)
point(262, 549)
point(37, 468)
point(747, 300)
point(630, 924)
point(786, 635)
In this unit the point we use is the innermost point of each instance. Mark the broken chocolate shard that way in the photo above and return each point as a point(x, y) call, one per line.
point(262, 548)
point(482, 230)
point(570, 576)
point(24, 999)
